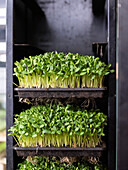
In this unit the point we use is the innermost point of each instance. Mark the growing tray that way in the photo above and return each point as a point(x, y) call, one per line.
point(60, 92)
point(52, 151)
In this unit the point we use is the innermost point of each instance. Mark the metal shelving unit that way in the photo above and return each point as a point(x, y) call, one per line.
point(23, 29)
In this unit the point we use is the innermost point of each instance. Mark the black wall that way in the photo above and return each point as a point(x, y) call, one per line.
point(73, 28)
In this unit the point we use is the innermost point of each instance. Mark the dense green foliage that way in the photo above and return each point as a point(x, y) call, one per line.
point(59, 70)
point(42, 163)
point(56, 125)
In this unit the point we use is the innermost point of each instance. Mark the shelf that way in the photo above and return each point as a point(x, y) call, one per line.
point(61, 92)
point(33, 6)
point(52, 151)
point(28, 47)
point(26, 50)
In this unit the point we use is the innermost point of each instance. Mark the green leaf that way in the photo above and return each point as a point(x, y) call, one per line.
point(81, 133)
point(77, 129)
point(34, 135)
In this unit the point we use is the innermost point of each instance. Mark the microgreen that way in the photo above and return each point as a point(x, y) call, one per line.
point(56, 125)
point(45, 163)
point(54, 69)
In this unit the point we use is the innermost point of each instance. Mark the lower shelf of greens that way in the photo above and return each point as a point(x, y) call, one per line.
point(61, 151)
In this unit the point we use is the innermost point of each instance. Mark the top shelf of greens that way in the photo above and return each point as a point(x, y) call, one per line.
point(59, 70)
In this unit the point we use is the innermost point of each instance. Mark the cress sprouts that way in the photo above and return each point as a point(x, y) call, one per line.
point(54, 69)
point(59, 126)
point(45, 163)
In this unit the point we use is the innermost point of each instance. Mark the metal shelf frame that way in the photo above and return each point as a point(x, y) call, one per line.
point(13, 51)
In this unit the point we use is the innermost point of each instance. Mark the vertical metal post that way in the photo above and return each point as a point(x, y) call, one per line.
point(9, 85)
point(122, 156)
point(112, 85)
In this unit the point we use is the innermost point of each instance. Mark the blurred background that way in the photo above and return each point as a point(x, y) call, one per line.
point(2, 84)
